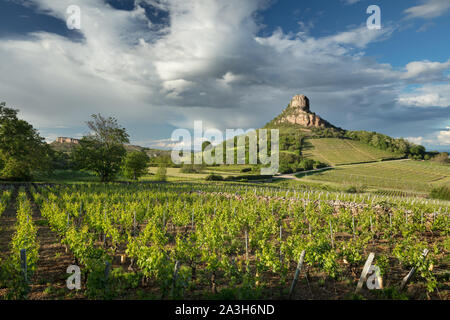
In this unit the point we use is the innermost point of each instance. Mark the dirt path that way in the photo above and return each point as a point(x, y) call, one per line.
point(49, 281)
point(292, 175)
point(7, 225)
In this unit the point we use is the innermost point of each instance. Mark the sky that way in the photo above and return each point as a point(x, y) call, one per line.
point(159, 65)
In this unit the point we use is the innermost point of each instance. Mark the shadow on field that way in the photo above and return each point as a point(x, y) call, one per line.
point(311, 173)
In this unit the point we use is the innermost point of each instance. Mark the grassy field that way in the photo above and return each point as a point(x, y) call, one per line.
point(67, 176)
point(419, 176)
point(175, 174)
point(412, 177)
point(342, 151)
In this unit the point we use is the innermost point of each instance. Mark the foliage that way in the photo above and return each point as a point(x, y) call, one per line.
point(214, 177)
point(238, 241)
point(22, 151)
point(102, 151)
point(441, 158)
point(161, 173)
point(61, 161)
point(409, 252)
point(5, 196)
point(12, 275)
point(442, 192)
point(136, 164)
point(356, 189)
point(384, 142)
point(290, 163)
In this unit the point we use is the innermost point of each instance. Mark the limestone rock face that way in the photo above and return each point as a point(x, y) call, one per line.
point(300, 101)
point(298, 112)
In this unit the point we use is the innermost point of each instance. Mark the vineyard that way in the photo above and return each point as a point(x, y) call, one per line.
point(343, 151)
point(193, 241)
point(403, 175)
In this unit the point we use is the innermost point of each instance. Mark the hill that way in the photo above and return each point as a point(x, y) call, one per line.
point(66, 146)
point(406, 175)
point(336, 151)
point(308, 141)
point(305, 135)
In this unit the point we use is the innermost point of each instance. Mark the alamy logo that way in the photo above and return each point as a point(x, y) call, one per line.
point(258, 147)
point(73, 17)
point(74, 280)
point(371, 275)
point(374, 21)
point(374, 279)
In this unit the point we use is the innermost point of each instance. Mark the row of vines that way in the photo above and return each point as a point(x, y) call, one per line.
point(197, 241)
point(18, 268)
point(5, 197)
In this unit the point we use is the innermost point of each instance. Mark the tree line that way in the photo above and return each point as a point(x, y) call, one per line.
point(24, 153)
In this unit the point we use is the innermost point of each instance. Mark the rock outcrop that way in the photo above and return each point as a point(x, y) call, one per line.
point(298, 112)
point(300, 101)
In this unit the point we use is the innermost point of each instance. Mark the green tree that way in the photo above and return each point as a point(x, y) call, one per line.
point(102, 150)
point(417, 151)
point(161, 173)
point(22, 151)
point(61, 160)
point(136, 164)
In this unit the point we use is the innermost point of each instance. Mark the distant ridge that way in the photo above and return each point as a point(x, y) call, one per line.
point(66, 144)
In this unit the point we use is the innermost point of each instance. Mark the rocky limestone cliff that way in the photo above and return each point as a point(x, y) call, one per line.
point(298, 113)
point(301, 102)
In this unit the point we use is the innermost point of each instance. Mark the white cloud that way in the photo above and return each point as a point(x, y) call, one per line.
point(426, 100)
point(427, 96)
point(437, 138)
point(429, 9)
point(443, 137)
point(426, 71)
point(230, 77)
point(415, 140)
point(181, 145)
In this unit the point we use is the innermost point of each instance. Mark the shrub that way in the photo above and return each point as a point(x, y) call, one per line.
point(356, 189)
point(286, 158)
point(285, 169)
point(318, 165)
point(191, 168)
point(307, 164)
point(214, 177)
point(441, 158)
point(136, 164)
point(161, 173)
point(442, 193)
point(246, 169)
point(247, 177)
